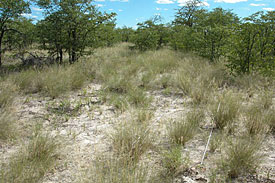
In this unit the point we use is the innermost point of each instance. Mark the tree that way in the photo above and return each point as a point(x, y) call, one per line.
point(151, 34)
point(187, 14)
point(251, 47)
point(9, 10)
point(78, 21)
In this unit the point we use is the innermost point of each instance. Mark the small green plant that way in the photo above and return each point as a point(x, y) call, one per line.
point(225, 110)
point(241, 157)
point(132, 139)
point(172, 160)
point(32, 162)
point(183, 130)
point(215, 142)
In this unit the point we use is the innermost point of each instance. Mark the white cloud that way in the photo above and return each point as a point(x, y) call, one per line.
point(229, 1)
point(165, 9)
point(158, 9)
point(253, 4)
point(100, 0)
point(99, 5)
point(269, 9)
point(164, 1)
point(111, 9)
point(120, 10)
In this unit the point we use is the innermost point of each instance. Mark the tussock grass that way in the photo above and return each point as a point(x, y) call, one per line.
point(224, 111)
point(173, 161)
point(132, 140)
point(184, 129)
point(32, 161)
point(111, 170)
point(7, 125)
point(242, 157)
point(53, 81)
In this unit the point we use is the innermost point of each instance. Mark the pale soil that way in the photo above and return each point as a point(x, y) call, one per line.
point(87, 134)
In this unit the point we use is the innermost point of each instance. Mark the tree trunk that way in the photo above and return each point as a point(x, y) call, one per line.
point(1, 38)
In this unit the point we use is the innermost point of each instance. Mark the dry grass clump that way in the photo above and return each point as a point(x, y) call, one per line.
point(132, 139)
point(52, 81)
point(7, 120)
point(259, 117)
point(184, 129)
point(242, 157)
point(7, 125)
point(112, 170)
point(31, 162)
point(225, 110)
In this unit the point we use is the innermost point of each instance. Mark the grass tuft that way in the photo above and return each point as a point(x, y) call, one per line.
point(32, 162)
point(242, 157)
point(183, 130)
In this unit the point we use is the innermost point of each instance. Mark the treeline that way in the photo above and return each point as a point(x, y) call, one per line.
point(73, 27)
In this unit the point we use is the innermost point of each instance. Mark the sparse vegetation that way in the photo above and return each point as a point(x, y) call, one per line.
point(32, 161)
point(224, 111)
point(241, 157)
point(132, 139)
point(184, 129)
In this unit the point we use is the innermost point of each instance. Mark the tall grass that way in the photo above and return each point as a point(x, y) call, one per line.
point(242, 157)
point(132, 139)
point(184, 129)
point(111, 170)
point(32, 161)
point(224, 111)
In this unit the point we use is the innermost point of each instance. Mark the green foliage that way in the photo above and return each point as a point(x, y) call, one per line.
point(151, 35)
point(10, 10)
point(250, 48)
point(72, 25)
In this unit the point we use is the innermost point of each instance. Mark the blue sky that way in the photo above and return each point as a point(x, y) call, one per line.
point(130, 12)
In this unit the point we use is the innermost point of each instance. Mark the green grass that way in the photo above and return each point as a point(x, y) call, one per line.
point(242, 157)
point(32, 161)
point(184, 129)
point(110, 170)
point(132, 139)
point(224, 110)
point(8, 128)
